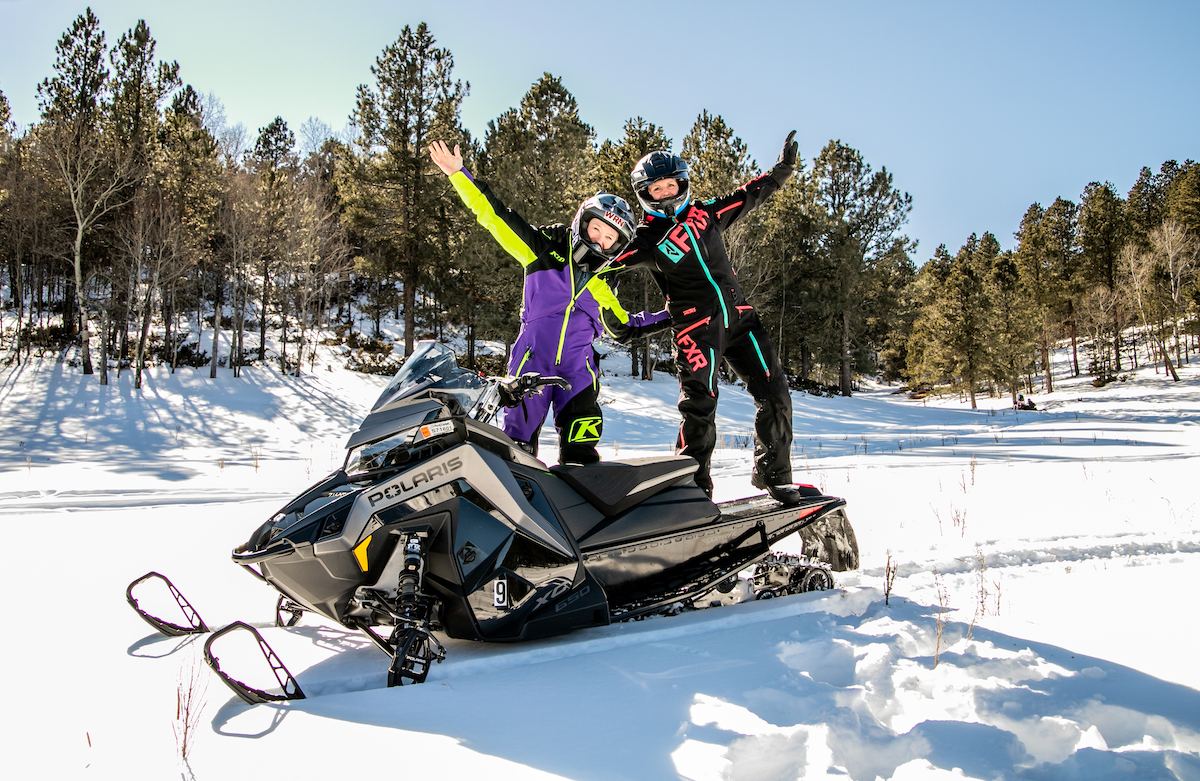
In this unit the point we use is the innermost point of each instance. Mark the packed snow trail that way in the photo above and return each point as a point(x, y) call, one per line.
point(1061, 574)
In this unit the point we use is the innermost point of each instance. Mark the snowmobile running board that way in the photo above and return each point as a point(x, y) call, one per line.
point(289, 686)
point(743, 520)
point(196, 624)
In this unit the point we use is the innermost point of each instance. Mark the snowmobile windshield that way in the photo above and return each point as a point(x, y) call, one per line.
point(432, 366)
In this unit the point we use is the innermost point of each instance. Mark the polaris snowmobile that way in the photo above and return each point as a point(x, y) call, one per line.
point(440, 523)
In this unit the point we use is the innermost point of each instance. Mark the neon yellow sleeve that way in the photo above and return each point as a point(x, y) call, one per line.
point(505, 232)
point(607, 298)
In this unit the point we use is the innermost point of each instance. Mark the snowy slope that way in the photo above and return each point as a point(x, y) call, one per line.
point(1058, 549)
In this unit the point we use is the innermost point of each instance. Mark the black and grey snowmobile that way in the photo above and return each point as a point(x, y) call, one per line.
point(439, 523)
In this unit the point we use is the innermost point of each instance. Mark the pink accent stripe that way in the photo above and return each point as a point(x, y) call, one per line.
point(696, 324)
point(730, 206)
point(744, 308)
point(622, 257)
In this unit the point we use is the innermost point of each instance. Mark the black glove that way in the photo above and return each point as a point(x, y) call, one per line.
point(786, 163)
point(513, 389)
point(789, 154)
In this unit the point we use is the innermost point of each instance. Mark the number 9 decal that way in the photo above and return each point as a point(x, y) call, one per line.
point(500, 592)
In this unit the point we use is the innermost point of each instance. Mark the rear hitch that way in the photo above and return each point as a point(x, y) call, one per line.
point(196, 624)
point(288, 685)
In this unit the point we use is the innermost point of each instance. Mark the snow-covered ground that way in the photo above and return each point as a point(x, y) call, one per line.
point(1058, 551)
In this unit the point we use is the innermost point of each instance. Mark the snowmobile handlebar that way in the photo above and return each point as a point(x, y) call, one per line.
point(513, 390)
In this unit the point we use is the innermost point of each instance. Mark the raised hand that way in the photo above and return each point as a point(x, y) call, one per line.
point(443, 158)
point(790, 151)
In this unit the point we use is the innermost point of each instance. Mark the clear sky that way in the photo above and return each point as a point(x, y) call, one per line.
point(977, 109)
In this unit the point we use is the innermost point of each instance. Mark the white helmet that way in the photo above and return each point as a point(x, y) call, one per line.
point(615, 212)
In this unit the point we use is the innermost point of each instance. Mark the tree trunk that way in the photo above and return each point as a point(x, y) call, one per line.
point(104, 342)
point(1166, 354)
point(1074, 346)
point(218, 307)
point(410, 299)
point(1116, 342)
point(845, 362)
point(18, 291)
point(1046, 363)
point(262, 325)
point(144, 332)
point(84, 336)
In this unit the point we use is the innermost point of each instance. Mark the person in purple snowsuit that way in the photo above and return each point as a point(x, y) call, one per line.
point(563, 297)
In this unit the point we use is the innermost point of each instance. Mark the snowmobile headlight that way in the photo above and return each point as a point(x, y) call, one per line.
point(379, 454)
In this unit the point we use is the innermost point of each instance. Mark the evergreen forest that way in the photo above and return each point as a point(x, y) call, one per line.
point(139, 227)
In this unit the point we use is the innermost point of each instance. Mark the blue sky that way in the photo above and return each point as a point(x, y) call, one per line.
point(977, 109)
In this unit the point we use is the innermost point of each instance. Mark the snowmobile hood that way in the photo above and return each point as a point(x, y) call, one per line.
point(384, 422)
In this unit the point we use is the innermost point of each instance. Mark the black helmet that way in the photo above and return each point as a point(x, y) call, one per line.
point(655, 166)
point(615, 212)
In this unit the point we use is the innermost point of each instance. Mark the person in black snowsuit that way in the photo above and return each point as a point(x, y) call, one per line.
point(679, 241)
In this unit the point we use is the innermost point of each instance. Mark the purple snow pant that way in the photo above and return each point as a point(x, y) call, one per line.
point(577, 415)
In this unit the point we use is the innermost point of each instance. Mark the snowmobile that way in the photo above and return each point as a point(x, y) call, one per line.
point(440, 523)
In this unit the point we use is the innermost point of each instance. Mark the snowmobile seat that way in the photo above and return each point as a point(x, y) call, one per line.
point(612, 487)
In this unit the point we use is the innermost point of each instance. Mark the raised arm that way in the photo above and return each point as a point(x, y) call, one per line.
point(518, 238)
point(745, 199)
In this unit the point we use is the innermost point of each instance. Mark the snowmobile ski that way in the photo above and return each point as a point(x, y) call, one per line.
point(196, 624)
point(287, 684)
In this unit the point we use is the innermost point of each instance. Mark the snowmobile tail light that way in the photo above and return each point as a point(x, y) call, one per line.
point(360, 553)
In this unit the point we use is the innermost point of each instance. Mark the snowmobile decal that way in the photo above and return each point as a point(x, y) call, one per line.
point(360, 553)
point(399, 488)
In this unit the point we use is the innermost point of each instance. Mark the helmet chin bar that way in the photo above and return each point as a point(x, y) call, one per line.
point(666, 207)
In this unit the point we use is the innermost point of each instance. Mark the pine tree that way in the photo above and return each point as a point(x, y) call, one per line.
point(615, 161)
point(861, 215)
point(718, 160)
point(1102, 234)
point(391, 192)
point(139, 84)
point(1033, 263)
point(961, 313)
point(190, 174)
point(77, 134)
point(792, 277)
point(538, 157)
point(1065, 280)
point(1012, 324)
point(1183, 198)
point(274, 161)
